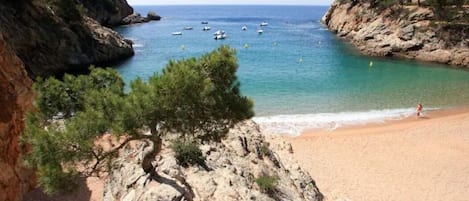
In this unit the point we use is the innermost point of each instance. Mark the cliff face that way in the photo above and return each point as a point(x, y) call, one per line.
point(408, 32)
point(50, 44)
point(36, 41)
point(15, 98)
point(108, 12)
point(234, 164)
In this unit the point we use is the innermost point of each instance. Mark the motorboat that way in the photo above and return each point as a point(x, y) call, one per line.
point(220, 37)
point(188, 28)
point(260, 31)
point(219, 32)
point(206, 28)
point(244, 28)
point(264, 24)
point(178, 33)
point(204, 22)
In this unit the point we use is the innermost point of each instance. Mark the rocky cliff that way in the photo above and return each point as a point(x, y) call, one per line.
point(51, 39)
point(403, 31)
point(234, 164)
point(108, 12)
point(39, 39)
point(15, 98)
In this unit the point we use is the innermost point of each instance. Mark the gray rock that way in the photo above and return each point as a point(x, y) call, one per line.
point(153, 16)
point(232, 175)
point(136, 18)
point(407, 33)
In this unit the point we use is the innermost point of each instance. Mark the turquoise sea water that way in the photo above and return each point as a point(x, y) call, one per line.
point(332, 86)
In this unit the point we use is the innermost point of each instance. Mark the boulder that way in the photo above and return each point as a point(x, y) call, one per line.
point(153, 16)
point(134, 19)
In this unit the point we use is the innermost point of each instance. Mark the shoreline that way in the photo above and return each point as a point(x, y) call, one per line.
point(409, 159)
point(382, 126)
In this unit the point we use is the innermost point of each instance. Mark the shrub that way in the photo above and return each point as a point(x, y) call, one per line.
point(267, 183)
point(188, 154)
point(265, 150)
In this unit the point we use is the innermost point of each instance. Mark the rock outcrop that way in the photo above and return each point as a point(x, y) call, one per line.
point(138, 18)
point(233, 166)
point(49, 44)
point(407, 32)
point(15, 98)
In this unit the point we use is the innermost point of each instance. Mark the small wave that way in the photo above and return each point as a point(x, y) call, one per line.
point(296, 124)
point(137, 45)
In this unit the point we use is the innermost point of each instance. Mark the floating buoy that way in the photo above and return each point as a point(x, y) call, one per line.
point(275, 43)
point(371, 64)
point(183, 47)
point(246, 45)
point(301, 60)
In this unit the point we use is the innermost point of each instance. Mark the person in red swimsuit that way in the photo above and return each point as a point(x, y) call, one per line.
point(419, 109)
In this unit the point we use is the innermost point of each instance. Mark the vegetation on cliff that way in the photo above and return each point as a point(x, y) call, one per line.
point(447, 10)
point(196, 99)
point(52, 36)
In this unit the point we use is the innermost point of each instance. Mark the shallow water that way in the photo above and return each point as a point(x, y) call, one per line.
point(299, 74)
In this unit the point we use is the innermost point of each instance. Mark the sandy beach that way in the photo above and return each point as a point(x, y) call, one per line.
point(410, 159)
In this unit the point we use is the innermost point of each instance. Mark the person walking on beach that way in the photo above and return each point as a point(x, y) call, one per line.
point(419, 109)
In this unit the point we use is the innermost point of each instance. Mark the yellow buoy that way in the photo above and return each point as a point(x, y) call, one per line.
point(301, 60)
point(183, 47)
point(246, 45)
point(371, 64)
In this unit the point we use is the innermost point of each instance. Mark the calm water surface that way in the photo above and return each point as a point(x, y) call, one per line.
point(299, 74)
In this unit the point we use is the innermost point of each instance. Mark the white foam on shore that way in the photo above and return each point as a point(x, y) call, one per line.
point(296, 124)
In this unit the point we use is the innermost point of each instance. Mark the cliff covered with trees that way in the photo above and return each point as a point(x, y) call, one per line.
point(42, 38)
point(431, 30)
point(53, 36)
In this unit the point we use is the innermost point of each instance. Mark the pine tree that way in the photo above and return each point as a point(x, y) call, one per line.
point(198, 99)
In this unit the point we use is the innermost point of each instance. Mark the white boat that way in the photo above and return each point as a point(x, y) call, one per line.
point(188, 28)
point(264, 24)
point(176, 33)
point(244, 28)
point(260, 31)
point(219, 32)
point(220, 37)
point(206, 28)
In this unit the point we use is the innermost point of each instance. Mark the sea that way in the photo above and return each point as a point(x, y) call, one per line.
point(299, 74)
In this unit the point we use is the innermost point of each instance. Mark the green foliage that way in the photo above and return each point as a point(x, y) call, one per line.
point(448, 10)
point(383, 4)
point(265, 150)
point(267, 183)
point(197, 98)
point(53, 180)
point(188, 153)
point(200, 97)
point(72, 114)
